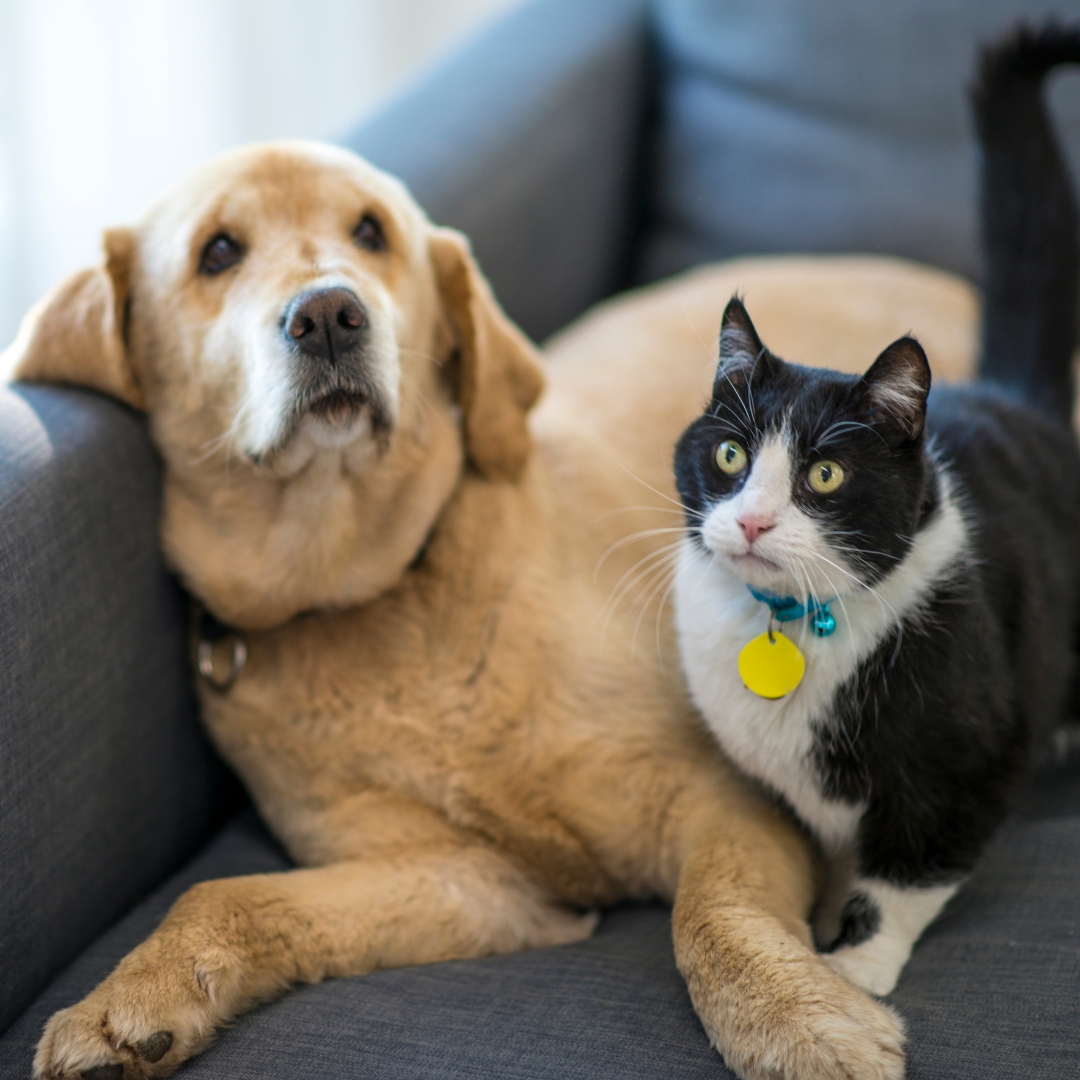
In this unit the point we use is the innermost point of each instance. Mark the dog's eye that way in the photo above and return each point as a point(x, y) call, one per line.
point(221, 252)
point(369, 234)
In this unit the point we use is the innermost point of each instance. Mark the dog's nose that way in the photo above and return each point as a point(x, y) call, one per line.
point(325, 322)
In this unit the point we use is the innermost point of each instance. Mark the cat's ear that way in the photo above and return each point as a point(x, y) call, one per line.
point(897, 384)
point(742, 356)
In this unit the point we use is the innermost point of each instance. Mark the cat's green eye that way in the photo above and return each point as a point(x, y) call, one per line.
point(730, 457)
point(825, 477)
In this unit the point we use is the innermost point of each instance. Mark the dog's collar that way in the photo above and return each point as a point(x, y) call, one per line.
point(211, 632)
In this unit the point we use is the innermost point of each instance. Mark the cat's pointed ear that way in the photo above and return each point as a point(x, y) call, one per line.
point(742, 355)
point(897, 385)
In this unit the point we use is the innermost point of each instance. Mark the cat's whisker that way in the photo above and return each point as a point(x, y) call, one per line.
point(710, 351)
point(667, 549)
point(750, 383)
point(632, 538)
point(735, 422)
point(869, 588)
point(659, 616)
point(738, 396)
point(644, 580)
point(839, 596)
point(840, 427)
point(655, 509)
point(633, 577)
point(655, 587)
point(634, 476)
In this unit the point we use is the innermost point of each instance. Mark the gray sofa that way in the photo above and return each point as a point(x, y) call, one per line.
point(585, 145)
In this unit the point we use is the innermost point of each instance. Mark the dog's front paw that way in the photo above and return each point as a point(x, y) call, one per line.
point(853, 1037)
point(120, 1033)
point(814, 1026)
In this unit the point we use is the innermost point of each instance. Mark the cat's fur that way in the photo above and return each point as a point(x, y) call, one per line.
point(952, 548)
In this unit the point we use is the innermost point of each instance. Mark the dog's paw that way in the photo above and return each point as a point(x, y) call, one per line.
point(823, 1029)
point(121, 1039)
point(850, 1037)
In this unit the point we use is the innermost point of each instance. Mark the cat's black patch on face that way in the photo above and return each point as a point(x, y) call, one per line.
point(871, 426)
point(859, 921)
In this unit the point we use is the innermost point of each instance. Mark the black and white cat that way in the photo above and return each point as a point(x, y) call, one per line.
point(923, 554)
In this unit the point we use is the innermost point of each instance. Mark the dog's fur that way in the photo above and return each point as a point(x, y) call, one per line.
point(428, 719)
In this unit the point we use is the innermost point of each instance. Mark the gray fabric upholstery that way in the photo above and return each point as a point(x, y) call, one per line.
point(825, 125)
point(991, 990)
point(106, 783)
point(528, 139)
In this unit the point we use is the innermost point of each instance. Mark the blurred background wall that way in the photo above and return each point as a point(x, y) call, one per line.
point(104, 102)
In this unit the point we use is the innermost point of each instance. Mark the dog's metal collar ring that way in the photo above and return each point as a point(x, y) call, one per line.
point(210, 633)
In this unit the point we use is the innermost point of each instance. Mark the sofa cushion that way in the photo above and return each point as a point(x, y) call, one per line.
point(990, 990)
point(824, 126)
point(614, 1006)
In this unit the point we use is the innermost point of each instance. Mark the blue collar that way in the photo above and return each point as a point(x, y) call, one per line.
point(788, 609)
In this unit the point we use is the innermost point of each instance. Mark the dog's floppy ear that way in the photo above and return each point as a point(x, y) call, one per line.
point(500, 377)
point(76, 334)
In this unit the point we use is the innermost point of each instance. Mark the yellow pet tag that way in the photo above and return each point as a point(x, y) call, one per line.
point(772, 667)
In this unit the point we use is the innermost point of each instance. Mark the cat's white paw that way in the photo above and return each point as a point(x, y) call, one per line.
point(874, 966)
point(895, 917)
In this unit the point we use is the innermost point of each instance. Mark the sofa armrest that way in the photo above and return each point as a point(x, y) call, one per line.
point(529, 139)
point(106, 782)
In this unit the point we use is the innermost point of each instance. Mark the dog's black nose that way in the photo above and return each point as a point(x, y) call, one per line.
point(325, 322)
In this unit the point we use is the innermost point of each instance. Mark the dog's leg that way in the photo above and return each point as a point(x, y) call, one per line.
point(770, 1005)
point(231, 943)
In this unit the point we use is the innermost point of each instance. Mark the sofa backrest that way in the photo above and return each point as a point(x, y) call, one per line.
point(825, 126)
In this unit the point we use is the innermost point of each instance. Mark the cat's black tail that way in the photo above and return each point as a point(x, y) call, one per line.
point(1029, 221)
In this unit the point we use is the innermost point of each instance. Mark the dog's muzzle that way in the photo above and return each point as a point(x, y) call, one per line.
point(326, 325)
point(328, 331)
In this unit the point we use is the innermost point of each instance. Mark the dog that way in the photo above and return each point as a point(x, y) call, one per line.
point(411, 673)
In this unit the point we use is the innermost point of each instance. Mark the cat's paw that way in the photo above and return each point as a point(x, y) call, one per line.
point(873, 966)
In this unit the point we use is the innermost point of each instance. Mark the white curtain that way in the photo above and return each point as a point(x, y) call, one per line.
point(104, 102)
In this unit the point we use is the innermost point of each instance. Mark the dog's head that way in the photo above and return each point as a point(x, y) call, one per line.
point(317, 361)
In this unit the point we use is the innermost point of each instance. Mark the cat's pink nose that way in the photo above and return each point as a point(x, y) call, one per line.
point(753, 525)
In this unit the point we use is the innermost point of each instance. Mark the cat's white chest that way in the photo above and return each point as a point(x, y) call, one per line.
point(771, 740)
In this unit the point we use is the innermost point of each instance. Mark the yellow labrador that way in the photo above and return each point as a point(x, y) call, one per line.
point(460, 755)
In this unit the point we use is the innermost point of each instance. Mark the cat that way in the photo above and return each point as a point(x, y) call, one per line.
point(878, 595)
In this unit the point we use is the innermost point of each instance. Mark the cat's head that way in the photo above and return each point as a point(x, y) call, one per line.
point(802, 480)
